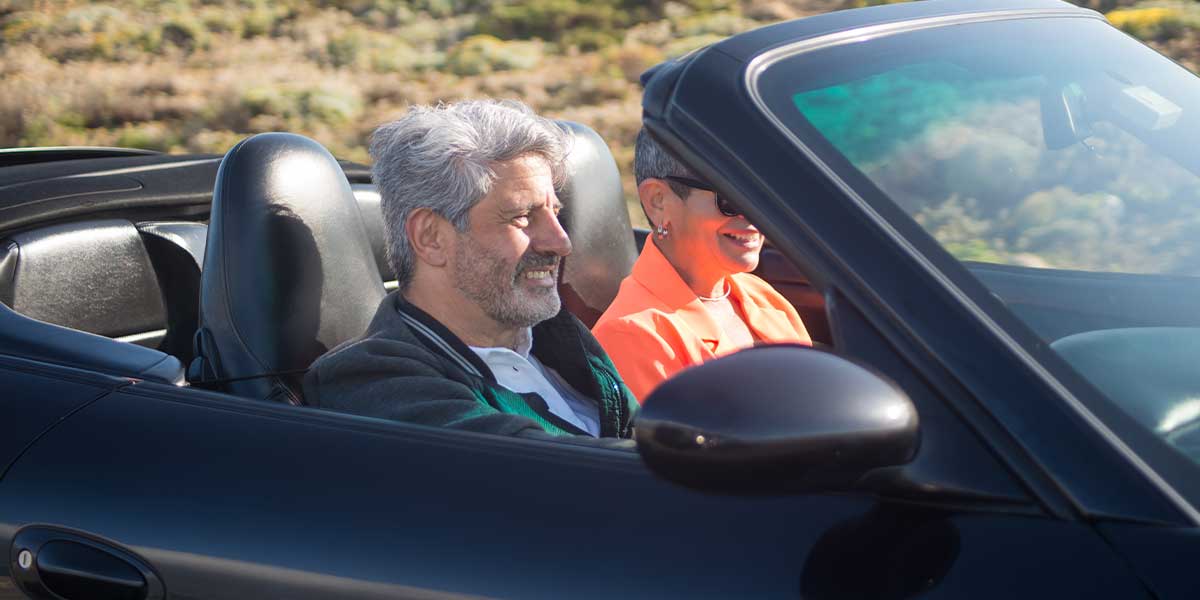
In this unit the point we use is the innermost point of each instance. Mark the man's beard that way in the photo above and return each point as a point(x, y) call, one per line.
point(493, 285)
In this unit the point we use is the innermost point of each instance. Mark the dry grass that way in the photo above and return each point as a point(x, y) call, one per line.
point(198, 75)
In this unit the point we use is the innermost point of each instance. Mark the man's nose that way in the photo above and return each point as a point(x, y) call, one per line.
point(551, 238)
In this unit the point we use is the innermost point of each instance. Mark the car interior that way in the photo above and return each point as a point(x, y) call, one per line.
point(289, 263)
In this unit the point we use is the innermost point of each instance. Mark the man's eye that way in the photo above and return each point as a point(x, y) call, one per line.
point(521, 220)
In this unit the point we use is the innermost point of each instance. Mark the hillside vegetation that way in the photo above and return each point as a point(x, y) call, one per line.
point(199, 75)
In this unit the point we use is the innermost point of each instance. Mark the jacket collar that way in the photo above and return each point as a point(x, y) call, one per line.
point(555, 342)
point(659, 276)
point(440, 339)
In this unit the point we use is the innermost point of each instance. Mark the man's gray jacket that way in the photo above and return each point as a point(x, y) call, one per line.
point(409, 367)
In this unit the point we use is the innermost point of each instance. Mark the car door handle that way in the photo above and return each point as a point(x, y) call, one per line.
point(52, 563)
point(73, 570)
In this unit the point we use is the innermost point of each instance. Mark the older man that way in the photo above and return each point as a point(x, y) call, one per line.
point(475, 338)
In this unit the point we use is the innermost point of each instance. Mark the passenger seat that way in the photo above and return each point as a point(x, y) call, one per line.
point(596, 218)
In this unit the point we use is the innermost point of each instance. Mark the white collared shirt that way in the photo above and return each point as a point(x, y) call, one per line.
point(523, 373)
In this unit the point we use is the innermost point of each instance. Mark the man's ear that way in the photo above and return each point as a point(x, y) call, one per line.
point(653, 193)
point(428, 234)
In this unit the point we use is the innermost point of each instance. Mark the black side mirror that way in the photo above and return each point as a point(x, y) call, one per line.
point(776, 418)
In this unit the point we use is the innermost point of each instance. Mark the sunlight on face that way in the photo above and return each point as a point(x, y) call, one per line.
point(508, 261)
point(709, 241)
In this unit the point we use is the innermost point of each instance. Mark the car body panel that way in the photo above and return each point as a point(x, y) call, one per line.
point(1012, 493)
point(1161, 556)
point(38, 396)
point(287, 502)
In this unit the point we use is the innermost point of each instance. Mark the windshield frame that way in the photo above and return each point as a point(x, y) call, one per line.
point(948, 271)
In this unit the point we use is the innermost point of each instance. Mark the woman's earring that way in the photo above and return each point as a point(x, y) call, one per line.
point(661, 232)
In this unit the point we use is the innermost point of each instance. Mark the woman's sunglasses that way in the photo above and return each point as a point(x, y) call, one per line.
point(723, 205)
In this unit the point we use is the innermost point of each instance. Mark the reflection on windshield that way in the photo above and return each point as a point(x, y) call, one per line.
point(966, 155)
point(1057, 159)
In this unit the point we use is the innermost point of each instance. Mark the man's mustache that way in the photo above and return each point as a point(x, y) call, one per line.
point(534, 261)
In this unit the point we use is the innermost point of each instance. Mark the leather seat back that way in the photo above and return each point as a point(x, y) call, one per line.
point(67, 290)
point(177, 251)
point(94, 276)
point(595, 216)
point(288, 272)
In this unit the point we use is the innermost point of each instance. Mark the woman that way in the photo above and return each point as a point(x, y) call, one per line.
point(690, 296)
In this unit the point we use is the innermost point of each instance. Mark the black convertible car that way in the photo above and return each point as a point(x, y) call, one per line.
point(988, 213)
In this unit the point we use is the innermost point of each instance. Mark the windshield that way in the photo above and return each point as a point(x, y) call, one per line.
point(1056, 159)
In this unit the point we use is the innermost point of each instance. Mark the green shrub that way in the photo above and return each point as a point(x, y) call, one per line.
point(481, 54)
point(589, 40)
point(38, 131)
point(215, 142)
point(89, 33)
point(1155, 22)
point(397, 56)
point(354, 7)
point(447, 8)
point(88, 19)
point(269, 100)
point(562, 20)
point(149, 136)
point(629, 60)
point(24, 26)
point(330, 105)
point(272, 107)
point(71, 119)
point(184, 32)
point(439, 34)
point(344, 49)
point(586, 90)
point(722, 24)
point(222, 20)
point(684, 45)
point(1104, 5)
point(550, 19)
point(360, 48)
point(260, 20)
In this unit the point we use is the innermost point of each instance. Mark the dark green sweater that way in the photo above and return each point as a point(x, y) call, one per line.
point(409, 367)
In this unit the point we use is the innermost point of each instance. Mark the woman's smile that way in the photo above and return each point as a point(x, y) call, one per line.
point(746, 240)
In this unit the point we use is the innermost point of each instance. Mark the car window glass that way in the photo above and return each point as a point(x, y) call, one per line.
point(1056, 161)
point(963, 153)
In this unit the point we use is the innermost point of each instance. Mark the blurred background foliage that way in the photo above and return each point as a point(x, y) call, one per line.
point(198, 75)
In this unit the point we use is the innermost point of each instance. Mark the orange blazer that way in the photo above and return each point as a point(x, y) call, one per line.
point(657, 326)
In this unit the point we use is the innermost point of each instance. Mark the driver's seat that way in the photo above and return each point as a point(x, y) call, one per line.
point(288, 272)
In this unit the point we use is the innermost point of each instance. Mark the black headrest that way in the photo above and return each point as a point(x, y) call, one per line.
point(94, 276)
point(288, 273)
point(595, 216)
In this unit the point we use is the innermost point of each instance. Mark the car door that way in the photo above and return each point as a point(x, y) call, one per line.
point(35, 397)
point(193, 494)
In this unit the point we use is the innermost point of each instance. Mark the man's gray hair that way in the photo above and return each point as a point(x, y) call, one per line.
point(651, 161)
point(441, 158)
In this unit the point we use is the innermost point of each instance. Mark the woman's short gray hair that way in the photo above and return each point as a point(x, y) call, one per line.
point(651, 161)
point(441, 158)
